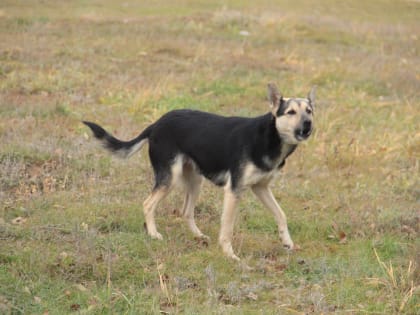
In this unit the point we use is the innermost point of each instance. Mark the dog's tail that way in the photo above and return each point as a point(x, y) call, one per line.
point(120, 148)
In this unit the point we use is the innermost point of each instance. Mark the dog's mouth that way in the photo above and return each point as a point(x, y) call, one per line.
point(302, 134)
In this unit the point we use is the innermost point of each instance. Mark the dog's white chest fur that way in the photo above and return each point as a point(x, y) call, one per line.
point(253, 175)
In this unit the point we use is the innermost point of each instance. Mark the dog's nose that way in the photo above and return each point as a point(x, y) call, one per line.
point(307, 126)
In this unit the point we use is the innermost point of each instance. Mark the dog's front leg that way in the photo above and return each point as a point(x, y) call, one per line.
point(228, 220)
point(264, 193)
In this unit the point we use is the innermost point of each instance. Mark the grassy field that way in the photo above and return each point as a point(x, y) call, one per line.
point(71, 226)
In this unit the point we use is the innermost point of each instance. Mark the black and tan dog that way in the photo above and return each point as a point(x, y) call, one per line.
point(232, 152)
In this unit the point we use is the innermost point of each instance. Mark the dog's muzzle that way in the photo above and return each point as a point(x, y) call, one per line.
point(304, 132)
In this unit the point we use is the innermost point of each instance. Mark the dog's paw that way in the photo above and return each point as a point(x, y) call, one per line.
point(286, 240)
point(202, 240)
point(156, 236)
point(228, 250)
point(234, 257)
point(288, 247)
point(204, 237)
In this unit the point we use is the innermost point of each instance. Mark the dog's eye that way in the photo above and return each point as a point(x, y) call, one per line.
point(291, 112)
point(309, 111)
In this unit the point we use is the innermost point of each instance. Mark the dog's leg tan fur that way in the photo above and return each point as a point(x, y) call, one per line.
point(263, 192)
point(149, 208)
point(227, 223)
point(192, 183)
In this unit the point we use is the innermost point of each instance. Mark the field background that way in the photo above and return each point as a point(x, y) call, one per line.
point(71, 224)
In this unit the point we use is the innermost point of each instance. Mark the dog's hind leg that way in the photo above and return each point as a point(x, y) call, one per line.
point(263, 192)
point(149, 208)
point(229, 215)
point(192, 182)
point(167, 170)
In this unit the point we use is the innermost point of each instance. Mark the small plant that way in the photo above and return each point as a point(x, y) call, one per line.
point(399, 283)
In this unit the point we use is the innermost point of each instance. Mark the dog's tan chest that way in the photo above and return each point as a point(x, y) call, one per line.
point(253, 175)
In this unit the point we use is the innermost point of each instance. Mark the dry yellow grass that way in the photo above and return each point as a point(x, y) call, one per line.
point(71, 228)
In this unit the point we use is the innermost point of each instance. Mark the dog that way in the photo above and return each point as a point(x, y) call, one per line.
point(235, 153)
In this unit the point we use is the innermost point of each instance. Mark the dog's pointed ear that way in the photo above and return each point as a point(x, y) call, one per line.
point(274, 97)
point(311, 96)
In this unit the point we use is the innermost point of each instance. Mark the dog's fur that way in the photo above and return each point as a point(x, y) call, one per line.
point(232, 152)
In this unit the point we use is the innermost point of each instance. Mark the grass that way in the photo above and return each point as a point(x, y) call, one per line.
point(71, 225)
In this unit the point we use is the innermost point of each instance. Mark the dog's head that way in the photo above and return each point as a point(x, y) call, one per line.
point(293, 116)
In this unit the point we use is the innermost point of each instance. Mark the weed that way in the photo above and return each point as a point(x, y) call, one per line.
point(399, 283)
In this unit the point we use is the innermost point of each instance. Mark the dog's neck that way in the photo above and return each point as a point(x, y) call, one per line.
point(273, 148)
point(286, 150)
